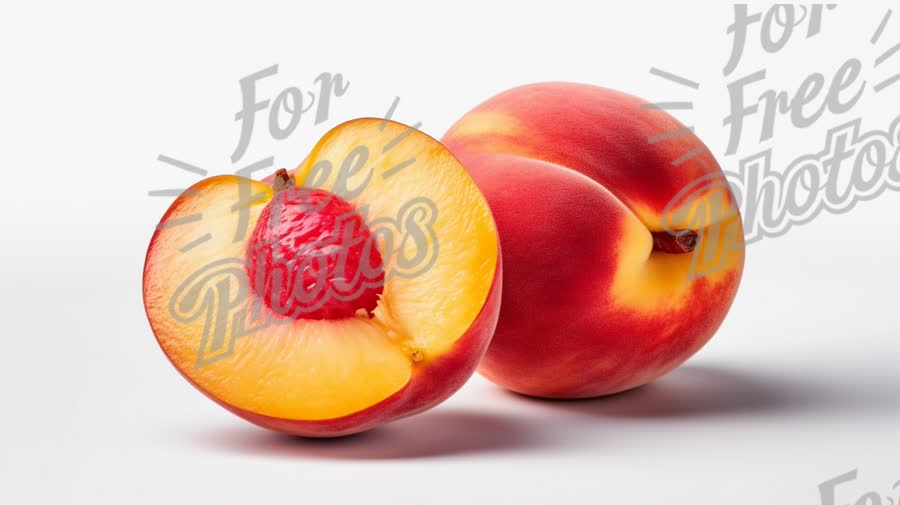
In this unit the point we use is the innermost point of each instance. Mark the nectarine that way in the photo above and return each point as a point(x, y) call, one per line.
point(360, 288)
point(608, 212)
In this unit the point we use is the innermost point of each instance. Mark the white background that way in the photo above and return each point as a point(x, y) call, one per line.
point(800, 384)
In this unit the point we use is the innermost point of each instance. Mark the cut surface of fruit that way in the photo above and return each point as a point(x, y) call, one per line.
point(428, 279)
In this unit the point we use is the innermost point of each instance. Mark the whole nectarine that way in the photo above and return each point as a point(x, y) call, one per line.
point(622, 245)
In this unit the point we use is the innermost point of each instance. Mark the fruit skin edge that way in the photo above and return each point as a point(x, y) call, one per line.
point(428, 386)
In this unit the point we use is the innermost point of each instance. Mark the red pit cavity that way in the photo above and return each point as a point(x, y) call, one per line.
point(311, 255)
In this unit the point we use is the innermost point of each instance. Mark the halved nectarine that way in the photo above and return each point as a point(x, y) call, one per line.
point(360, 288)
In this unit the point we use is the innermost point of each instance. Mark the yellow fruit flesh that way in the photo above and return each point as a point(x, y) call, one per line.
point(324, 369)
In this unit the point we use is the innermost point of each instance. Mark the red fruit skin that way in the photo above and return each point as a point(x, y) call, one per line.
point(566, 170)
point(601, 133)
point(431, 383)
